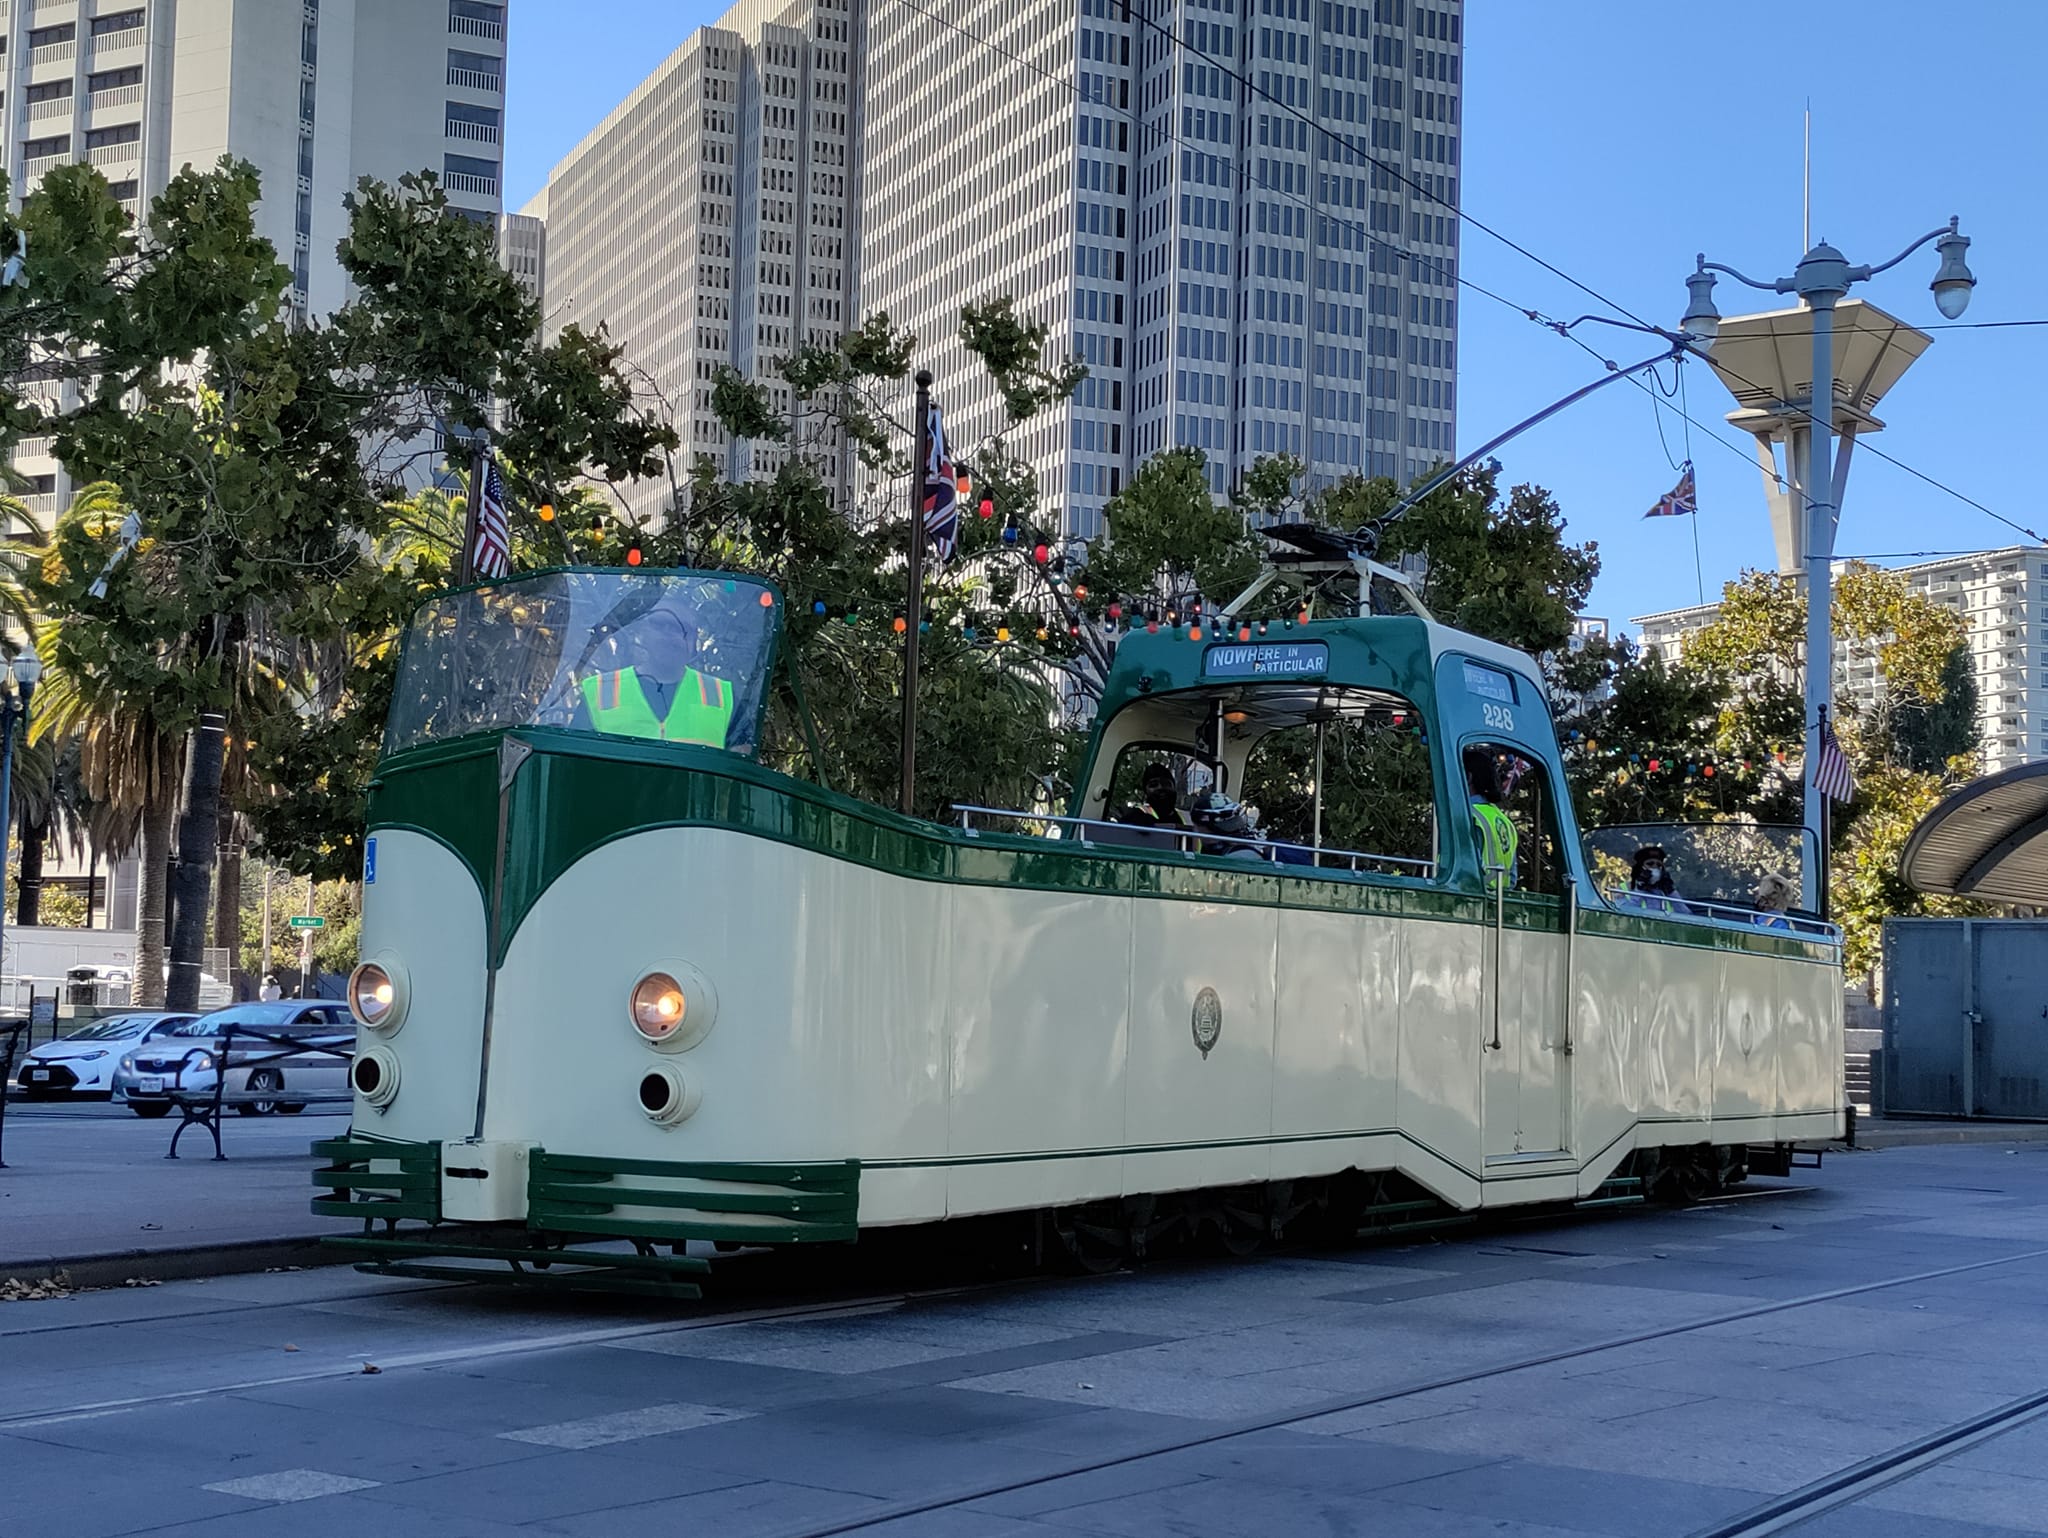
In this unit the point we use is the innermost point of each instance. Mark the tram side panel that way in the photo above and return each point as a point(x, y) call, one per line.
point(1608, 1070)
point(1442, 1014)
point(1810, 1090)
point(1200, 1105)
point(829, 1041)
point(1336, 1042)
point(1040, 1042)
point(424, 918)
point(1745, 1063)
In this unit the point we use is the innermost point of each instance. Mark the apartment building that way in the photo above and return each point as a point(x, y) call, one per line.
point(1241, 214)
point(314, 93)
point(711, 220)
point(2001, 597)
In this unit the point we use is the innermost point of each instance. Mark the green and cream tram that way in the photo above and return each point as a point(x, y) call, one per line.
point(621, 981)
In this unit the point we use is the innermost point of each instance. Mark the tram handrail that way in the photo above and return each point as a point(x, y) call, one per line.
point(1681, 908)
point(1189, 840)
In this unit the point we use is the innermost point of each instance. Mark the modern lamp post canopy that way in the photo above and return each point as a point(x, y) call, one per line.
point(1756, 356)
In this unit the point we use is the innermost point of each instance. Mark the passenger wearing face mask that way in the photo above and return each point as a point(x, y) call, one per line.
point(1650, 887)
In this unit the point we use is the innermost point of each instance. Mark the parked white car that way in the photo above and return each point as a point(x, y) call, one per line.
point(81, 1065)
point(182, 1060)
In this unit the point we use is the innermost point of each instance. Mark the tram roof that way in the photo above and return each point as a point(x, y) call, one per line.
point(1988, 840)
point(1288, 667)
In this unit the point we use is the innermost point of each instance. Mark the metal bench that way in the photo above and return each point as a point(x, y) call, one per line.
point(204, 1108)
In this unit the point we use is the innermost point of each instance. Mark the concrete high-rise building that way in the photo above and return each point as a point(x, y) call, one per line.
point(2001, 596)
point(711, 220)
point(314, 93)
point(1241, 214)
point(523, 246)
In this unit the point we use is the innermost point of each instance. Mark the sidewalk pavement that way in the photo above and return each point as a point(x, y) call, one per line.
point(1917, 1132)
point(91, 1183)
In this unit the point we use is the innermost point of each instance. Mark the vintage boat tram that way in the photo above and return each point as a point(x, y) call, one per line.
point(622, 981)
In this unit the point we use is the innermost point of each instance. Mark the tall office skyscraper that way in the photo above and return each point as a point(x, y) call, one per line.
point(314, 93)
point(711, 220)
point(1240, 213)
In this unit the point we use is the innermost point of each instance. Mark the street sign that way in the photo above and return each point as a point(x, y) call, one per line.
point(308, 921)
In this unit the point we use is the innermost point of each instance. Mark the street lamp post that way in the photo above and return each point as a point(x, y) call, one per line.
point(1822, 278)
point(26, 672)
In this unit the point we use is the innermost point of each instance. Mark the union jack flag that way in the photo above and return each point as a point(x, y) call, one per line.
point(1830, 773)
point(941, 493)
point(1679, 500)
point(490, 533)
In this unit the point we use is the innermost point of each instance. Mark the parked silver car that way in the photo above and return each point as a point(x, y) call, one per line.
point(182, 1060)
point(82, 1065)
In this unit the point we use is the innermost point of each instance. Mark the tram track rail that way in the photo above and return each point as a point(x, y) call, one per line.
point(1848, 1485)
point(1908, 1460)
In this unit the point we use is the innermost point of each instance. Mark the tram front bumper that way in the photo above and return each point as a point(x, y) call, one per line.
point(484, 1181)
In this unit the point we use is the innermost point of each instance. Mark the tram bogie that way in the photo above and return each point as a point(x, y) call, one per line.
point(623, 982)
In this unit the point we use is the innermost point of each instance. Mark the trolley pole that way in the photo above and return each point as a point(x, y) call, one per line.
point(913, 608)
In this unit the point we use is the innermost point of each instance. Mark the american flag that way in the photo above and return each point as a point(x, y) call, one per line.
point(941, 493)
point(1680, 499)
point(490, 551)
point(1831, 766)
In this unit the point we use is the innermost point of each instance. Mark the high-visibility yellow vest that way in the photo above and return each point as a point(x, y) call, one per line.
point(701, 711)
point(1498, 842)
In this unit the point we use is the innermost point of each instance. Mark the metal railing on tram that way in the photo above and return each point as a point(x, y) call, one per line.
point(1096, 833)
point(1657, 906)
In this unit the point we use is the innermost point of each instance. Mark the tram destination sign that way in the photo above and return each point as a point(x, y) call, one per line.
point(1279, 659)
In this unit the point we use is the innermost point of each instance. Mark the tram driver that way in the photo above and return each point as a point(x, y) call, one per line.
point(1160, 807)
point(1498, 840)
point(646, 686)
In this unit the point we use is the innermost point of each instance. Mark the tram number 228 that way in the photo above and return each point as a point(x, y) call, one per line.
point(1499, 717)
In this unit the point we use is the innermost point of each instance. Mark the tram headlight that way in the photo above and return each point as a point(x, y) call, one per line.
point(659, 1007)
point(377, 994)
point(673, 1008)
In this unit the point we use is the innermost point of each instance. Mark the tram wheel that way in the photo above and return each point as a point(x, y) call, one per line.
point(1090, 1240)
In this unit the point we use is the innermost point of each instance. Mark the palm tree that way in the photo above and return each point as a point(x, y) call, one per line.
point(126, 762)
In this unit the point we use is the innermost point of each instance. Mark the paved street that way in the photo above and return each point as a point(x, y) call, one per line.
point(1581, 1386)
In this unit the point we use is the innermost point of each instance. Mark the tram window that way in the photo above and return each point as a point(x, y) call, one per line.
point(1378, 790)
point(1191, 776)
point(1526, 798)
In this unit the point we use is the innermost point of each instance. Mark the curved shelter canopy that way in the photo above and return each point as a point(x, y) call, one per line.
point(1988, 840)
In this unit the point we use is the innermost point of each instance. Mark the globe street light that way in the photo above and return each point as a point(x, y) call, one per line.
point(1821, 280)
point(26, 672)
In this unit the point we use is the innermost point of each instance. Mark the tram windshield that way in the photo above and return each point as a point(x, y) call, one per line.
point(1700, 865)
point(659, 656)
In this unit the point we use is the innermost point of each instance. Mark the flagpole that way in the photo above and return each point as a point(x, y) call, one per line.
point(465, 566)
point(913, 608)
point(1699, 578)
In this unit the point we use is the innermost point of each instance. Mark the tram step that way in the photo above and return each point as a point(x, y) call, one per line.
point(1621, 1191)
point(601, 1280)
point(564, 1269)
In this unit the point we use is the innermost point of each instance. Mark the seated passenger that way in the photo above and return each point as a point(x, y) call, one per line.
point(1161, 806)
point(646, 687)
point(1228, 826)
point(1650, 886)
point(1773, 895)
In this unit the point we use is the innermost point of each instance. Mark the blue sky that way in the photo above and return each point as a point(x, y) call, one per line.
point(1615, 139)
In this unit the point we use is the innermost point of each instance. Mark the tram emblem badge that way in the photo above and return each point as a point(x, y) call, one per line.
point(1208, 1019)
